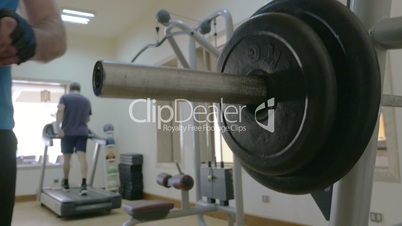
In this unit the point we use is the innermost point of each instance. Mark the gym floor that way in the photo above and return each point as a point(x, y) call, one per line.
point(33, 214)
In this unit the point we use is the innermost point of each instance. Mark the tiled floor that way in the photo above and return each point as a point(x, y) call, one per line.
point(33, 214)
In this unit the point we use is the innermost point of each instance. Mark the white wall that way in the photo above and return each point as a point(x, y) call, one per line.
point(76, 65)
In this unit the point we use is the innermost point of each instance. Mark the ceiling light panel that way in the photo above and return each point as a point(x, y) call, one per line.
point(78, 13)
point(74, 19)
point(76, 16)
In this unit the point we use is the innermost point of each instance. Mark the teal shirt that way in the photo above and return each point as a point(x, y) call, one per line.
point(6, 103)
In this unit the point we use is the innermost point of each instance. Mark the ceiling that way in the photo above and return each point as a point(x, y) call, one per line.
point(124, 12)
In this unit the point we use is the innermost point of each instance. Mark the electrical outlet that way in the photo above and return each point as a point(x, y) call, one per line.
point(265, 198)
point(375, 217)
point(56, 181)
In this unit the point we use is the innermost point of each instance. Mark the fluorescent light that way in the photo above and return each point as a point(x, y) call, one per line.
point(74, 19)
point(78, 13)
point(75, 16)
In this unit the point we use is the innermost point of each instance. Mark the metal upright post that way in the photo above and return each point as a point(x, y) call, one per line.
point(238, 190)
point(351, 198)
point(94, 163)
point(42, 170)
point(196, 137)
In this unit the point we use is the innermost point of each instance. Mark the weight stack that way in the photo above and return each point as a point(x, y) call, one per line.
point(217, 184)
point(131, 180)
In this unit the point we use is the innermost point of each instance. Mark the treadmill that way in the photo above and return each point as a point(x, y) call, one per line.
point(67, 203)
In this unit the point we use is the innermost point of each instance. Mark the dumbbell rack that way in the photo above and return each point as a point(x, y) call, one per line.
point(110, 165)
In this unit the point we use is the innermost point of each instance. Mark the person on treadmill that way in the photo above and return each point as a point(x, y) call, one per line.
point(72, 116)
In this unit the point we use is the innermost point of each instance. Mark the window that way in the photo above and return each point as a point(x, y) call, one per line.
point(387, 157)
point(169, 137)
point(382, 156)
point(168, 141)
point(35, 105)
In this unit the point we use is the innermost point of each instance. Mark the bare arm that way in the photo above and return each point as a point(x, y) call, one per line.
point(44, 17)
point(59, 119)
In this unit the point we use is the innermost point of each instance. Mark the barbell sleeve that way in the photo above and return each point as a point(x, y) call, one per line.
point(131, 81)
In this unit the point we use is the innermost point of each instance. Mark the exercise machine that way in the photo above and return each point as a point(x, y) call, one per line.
point(153, 210)
point(68, 203)
point(318, 67)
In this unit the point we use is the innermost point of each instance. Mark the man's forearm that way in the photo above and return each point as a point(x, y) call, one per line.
point(50, 34)
point(59, 118)
point(50, 40)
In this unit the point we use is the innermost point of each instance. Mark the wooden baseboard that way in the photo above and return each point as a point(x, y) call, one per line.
point(25, 198)
point(249, 220)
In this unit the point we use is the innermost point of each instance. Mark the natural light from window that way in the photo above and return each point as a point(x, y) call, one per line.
point(35, 105)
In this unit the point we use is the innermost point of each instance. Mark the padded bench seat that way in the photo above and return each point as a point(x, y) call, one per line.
point(146, 210)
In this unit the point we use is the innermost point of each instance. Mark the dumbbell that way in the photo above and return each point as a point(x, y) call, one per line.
point(179, 181)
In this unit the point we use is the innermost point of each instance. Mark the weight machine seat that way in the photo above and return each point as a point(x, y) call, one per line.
point(146, 210)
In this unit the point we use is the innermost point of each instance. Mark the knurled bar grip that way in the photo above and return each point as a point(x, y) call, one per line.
point(131, 81)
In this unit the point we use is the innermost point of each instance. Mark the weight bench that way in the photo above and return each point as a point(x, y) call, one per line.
point(151, 210)
point(148, 210)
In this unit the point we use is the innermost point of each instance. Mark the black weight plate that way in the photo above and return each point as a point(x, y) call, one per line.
point(359, 92)
point(302, 94)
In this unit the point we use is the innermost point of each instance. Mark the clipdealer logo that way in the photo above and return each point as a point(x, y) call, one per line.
point(163, 114)
point(269, 106)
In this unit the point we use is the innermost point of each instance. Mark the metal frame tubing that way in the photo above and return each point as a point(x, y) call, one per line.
point(351, 198)
point(238, 191)
point(238, 210)
point(388, 33)
point(196, 36)
point(228, 30)
point(220, 13)
point(43, 168)
point(237, 172)
point(175, 47)
point(178, 213)
point(94, 163)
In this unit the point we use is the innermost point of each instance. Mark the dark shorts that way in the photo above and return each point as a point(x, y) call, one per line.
point(8, 171)
point(71, 144)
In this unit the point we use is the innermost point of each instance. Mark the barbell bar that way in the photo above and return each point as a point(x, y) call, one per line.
point(127, 80)
point(115, 79)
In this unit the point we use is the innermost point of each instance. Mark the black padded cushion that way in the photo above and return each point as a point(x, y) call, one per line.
point(145, 210)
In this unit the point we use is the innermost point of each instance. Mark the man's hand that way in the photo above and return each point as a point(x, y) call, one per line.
point(17, 38)
point(8, 52)
point(60, 132)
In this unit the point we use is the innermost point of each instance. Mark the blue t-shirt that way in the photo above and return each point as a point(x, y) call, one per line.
point(76, 112)
point(6, 103)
